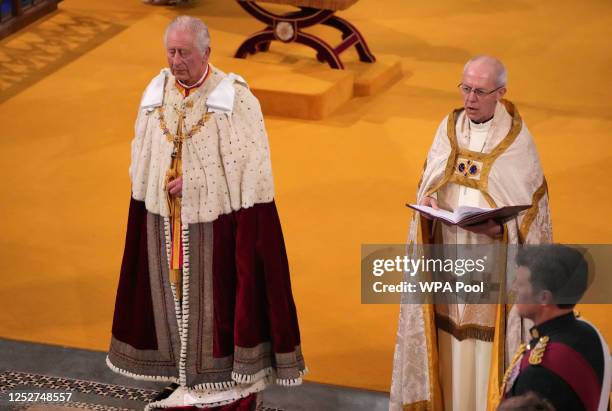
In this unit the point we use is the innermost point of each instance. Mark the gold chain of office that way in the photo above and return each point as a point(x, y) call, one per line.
point(180, 137)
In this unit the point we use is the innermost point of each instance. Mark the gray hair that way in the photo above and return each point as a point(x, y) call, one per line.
point(501, 76)
point(193, 25)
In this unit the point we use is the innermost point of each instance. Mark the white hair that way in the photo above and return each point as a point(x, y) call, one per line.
point(501, 76)
point(193, 25)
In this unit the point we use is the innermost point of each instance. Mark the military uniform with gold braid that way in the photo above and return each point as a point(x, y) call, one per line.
point(564, 362)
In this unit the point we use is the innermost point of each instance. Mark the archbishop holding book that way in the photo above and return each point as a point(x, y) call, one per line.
point(452, 357)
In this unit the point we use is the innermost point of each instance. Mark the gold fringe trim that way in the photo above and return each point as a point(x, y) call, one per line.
point(463, 332)
point(533, 211)
point(419, 406)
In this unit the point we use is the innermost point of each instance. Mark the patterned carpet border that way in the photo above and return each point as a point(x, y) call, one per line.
point(46, 46)
point(78, 405)
point(11, 379)
point(23, 381)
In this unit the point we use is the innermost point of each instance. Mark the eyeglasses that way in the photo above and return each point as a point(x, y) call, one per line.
point(478, 91)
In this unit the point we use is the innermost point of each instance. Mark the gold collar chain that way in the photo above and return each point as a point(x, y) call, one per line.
point(180, 136)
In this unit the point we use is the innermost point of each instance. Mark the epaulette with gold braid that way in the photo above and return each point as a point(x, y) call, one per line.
point(535, 356)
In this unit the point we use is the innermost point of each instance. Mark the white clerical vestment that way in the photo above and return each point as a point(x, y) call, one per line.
point(464, 365)
point(452, 357)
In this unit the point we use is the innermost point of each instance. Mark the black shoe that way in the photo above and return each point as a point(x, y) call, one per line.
point(166, 392)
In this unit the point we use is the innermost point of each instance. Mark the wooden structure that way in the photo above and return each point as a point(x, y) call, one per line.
point(288, 28)
point(16, 14)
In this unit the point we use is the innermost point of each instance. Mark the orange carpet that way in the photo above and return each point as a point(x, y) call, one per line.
point(69, 90)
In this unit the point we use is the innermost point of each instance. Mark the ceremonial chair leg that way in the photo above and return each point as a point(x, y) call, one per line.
point(263, 47)
point(325, 53)
point(292, 25)
point(259, 41)
point(350, 36)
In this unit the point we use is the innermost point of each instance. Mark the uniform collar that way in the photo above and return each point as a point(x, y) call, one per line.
point(549, 327)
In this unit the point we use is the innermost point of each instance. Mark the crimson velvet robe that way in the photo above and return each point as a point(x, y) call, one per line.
point(242, 318)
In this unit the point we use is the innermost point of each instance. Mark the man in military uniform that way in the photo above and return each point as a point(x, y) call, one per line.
point(567, 361)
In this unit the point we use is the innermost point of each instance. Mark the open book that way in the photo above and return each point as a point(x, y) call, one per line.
point(465, 215)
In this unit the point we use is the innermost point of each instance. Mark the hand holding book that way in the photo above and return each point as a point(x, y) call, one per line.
point(465, 216)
